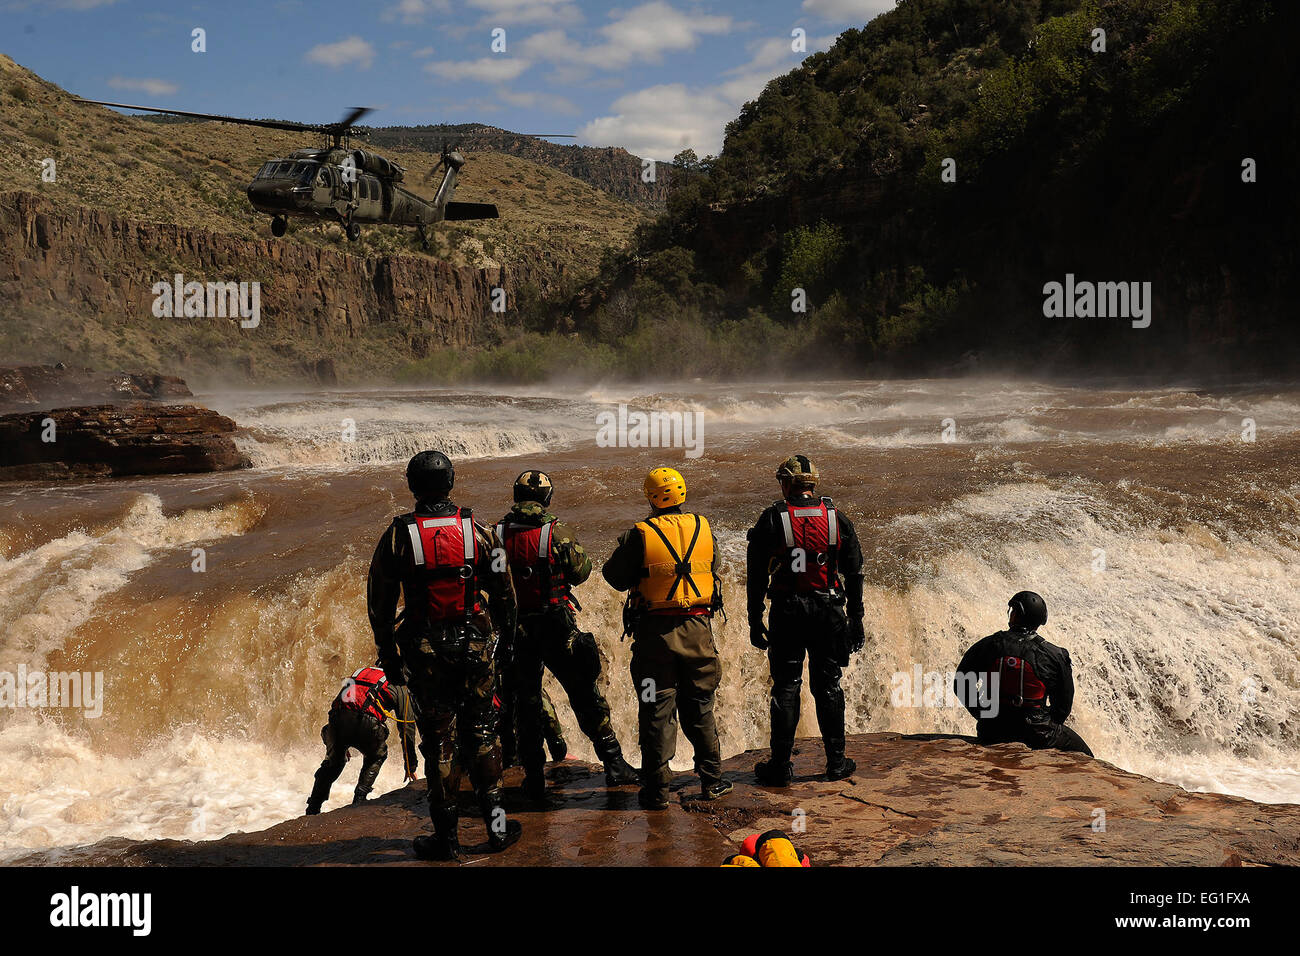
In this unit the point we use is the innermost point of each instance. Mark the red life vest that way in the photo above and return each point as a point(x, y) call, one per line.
point(532, 566)
point(812, 538)
point(1018, 685)
point(445, 554)
point(364, 691)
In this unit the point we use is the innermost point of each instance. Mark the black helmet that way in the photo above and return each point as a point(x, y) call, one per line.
point(430, 475)
point(534, 486)
point(1028, 610)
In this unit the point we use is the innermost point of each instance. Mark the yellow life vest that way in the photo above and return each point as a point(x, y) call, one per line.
point(678, 572)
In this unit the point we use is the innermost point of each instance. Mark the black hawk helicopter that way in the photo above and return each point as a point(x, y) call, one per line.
point(337, 183)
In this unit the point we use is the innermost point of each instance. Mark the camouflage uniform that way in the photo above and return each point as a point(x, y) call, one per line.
point(451, 667)
point(549, 638)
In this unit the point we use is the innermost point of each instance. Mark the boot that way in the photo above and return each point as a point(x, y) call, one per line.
point(535, 787)
point(444, 844)
point(843, 769)
point(774, 773)
point(618, 772)
point(499, 839)
point(652, 800)
point(319, 794)
point(838, 766)
point(714, 791)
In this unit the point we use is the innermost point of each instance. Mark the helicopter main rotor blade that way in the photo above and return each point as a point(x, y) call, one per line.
point(356, 114)
point(344, 127)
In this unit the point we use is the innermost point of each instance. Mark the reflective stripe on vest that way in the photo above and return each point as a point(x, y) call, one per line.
point(536, 583)
point(677, 575)
point(820, 571)
point(451, 585)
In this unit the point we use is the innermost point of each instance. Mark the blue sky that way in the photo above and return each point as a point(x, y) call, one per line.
point(653, 76)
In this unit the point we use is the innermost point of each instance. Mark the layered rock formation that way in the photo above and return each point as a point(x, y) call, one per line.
point(88, 261)
point(23, 386)
point(136, 438)
point(923, 800)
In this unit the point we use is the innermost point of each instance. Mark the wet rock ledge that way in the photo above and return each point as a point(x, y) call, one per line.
point(918, 800)
point(118, 424)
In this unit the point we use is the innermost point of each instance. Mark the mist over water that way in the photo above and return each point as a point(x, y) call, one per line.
point(1167, 548)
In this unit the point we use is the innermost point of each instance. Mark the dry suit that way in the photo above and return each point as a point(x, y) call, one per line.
point(359, 719)
point(1027, 693)
point(804, 554)
point(669, 564)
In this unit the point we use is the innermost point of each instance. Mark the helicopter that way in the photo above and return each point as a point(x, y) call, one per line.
point(338, 183)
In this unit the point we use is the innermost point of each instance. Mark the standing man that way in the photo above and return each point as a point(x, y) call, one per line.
point(439, 561)
point(669, 565)
point(1032, 680)
point(546, 562)
point(805, 556)
point(358, 718)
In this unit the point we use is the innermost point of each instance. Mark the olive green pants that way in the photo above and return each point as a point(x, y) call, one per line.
point(676, 670)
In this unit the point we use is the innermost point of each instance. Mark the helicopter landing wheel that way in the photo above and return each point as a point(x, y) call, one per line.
point(354, 232)
point(279, 226)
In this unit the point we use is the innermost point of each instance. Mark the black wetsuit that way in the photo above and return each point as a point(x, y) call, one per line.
point(1038, 724)
point(818, 624)
point(352, 728)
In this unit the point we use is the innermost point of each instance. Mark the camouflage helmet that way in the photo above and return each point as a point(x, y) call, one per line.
point(534, 486)
point(799, 471)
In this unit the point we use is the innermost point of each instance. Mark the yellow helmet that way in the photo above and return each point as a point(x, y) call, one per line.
point(665, 488)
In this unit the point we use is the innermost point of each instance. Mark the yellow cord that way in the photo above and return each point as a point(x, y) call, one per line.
point(406, 761)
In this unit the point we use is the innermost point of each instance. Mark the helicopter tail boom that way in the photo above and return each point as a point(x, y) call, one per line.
point(460, 211)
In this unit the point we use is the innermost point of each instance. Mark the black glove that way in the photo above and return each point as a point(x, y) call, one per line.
point(758, 634)
point(857, 635)
point(391, 664)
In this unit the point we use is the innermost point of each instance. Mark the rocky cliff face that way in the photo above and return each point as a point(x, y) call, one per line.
point(925, 800)
point(61, 260)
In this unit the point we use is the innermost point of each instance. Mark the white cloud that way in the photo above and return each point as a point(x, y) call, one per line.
point(508, 12)
point(345, 52)
point(641, 34)
point(488, 69)
point(855, 12)
point(661, 121)
point(415, 11)
point(144, 85)
point(423, 53)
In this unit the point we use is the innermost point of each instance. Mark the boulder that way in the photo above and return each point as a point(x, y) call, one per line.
point(135, 438)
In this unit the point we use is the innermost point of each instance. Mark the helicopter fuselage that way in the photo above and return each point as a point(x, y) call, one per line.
point(353, 188)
